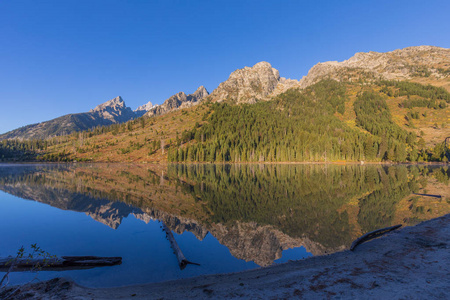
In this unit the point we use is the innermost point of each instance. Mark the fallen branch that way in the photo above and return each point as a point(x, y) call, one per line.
point(57, 263)
point(428, 195)
point(371, 235)
point(8, 270)
point(182, 261)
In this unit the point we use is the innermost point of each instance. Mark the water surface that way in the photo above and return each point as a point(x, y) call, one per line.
point(225, 217)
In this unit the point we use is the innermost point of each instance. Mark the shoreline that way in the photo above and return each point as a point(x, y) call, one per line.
point(412, 263)
point(338, 163)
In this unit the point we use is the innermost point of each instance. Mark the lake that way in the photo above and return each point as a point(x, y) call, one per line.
point(227, 218)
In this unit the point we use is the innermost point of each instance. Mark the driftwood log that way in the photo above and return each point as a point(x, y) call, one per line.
point(428, 195)
point(371, 235)
point(182, 261)
point(62, 263)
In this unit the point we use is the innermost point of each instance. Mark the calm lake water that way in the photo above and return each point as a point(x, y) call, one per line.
point(227, 218)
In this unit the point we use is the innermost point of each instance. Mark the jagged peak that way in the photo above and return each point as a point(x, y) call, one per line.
point(249, 84)
point(267, 66)
point(146, 107)
point(261, 68)
point(201, 91)
point(201, 88)
point(179, 100)
point(113, 103)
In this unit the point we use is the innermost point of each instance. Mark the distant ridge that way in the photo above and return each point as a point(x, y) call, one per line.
point(401, 64)
point(110, 112)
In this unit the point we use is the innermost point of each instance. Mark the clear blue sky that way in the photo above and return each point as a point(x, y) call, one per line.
point(67, 56)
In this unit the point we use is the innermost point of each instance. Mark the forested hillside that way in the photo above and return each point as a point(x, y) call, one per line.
point(304, 125)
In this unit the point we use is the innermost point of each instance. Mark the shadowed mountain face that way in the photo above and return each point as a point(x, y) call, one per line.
point(256, 211)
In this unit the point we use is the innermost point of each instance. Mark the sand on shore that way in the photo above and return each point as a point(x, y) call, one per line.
point(411, 263)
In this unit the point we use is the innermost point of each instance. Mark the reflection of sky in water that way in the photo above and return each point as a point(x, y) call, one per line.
point(146, 254)
point(293, 254)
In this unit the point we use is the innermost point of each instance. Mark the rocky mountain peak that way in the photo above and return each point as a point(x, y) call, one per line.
point(149, 105)
point(250, 84)
point(264, 66)
point(114, 110)
point(180, 95)
point(200, 93)
point(115, 104)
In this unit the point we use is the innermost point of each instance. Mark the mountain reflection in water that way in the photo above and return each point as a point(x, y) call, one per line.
point(257, 211)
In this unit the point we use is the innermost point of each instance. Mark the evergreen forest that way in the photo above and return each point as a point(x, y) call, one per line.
point(300, 126)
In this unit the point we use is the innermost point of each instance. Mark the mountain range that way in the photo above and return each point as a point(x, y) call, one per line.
point(113, 111)
point(259, 83)
point(110, 112)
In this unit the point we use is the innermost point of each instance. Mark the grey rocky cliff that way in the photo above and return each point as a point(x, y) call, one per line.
point(250, 84)
point(200, 94)
point(114, 110)
point(399, 64)
point(179, 101)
